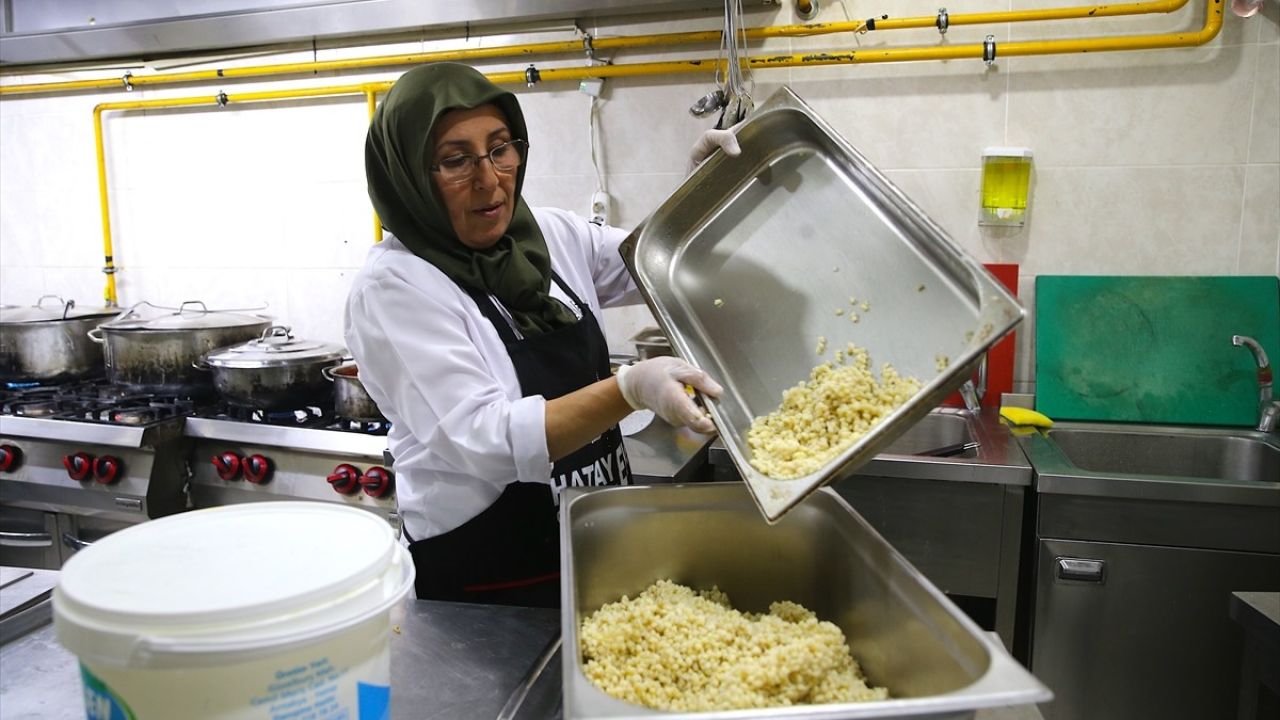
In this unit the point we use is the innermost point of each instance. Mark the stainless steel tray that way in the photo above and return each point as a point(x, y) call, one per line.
point(904, 632)
point(746, 263)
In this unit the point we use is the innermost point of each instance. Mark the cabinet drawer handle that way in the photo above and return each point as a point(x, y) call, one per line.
point(25, 539)
point(1081, 569)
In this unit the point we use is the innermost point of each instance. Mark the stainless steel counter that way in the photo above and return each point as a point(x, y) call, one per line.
point(449, 661)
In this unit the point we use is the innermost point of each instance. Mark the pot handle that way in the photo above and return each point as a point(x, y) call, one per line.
point(327, 371)
point(203, 308)
point(66, 304)
point(201, 363)
point(277, 331)
point(95, 335)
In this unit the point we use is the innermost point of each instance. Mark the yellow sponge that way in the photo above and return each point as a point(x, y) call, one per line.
point(1023, 416)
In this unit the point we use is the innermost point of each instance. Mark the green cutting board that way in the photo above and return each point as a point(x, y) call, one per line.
point(1152, 349)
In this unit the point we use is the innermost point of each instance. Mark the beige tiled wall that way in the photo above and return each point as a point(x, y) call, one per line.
point(1151, 162)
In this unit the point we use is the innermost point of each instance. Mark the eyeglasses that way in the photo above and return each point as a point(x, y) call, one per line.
point(462, 167)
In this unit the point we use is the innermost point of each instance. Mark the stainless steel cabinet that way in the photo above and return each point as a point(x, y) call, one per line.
point(29, 538)
point(1125, 631)
point(964, 537)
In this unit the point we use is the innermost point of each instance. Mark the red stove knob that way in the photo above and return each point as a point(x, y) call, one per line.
point(10, 457)
point(106, 469)
point(78, 465)
point(257, 469)
point(345, 478)
point(227, 465)
point(376, 482)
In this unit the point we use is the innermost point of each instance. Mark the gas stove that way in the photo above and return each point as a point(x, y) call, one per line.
point(247, 455)
point(81, 460)
point(78, 461)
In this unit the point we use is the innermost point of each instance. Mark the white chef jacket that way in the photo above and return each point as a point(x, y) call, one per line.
point(438, 370)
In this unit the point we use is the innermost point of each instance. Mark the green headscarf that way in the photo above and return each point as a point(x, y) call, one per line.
point(397, 152)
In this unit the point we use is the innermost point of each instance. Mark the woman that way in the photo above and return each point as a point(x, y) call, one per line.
point(475, 328)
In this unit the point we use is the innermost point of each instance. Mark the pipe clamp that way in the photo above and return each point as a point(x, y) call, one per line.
point(532, 76)
point(126, 82)
point(989, 50)
point(221, 98)
point(944, 21)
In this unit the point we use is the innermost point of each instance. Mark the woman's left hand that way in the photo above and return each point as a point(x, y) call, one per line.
point(659, 385)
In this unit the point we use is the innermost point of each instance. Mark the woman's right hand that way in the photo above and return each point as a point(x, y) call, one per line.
point(658, 384)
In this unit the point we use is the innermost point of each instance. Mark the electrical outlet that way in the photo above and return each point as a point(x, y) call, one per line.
point(600, 208)
point(592, 86)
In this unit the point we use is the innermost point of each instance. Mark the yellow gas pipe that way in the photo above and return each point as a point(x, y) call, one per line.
point(599, 45)
point(1212, 25)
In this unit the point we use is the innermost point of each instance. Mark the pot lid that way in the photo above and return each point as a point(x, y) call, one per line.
point(276, 347)
point(52, 307)
point(192, 315)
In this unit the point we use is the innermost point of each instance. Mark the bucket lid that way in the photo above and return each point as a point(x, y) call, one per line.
point(221, 585)
point(44, 311)
point(276, 347)
point(191, 315)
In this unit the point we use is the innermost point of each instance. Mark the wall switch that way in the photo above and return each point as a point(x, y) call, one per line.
point(600, 208)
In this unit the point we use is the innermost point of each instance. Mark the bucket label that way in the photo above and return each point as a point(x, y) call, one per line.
point(100, 702)
point(305, 691)
point(374, 701)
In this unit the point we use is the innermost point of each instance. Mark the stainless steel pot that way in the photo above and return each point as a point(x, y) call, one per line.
point(153, 353)
point(275, 371)
point(350, 399)
point(48, 344)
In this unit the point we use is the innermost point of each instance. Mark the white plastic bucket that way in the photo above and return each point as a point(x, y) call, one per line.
point(262, 611)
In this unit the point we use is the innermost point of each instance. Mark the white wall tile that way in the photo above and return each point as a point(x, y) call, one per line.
point(951, 199)
point(910, 115)
point(1134, 221)
point(317, 299)
point(636, 196)
point(1260, 226)
point(1173, 107)
point(24, 284)
point(1264, 136)
point(1268, 22)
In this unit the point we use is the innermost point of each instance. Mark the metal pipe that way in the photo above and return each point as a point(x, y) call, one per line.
point(371, 98)
point(1212, 25)
point(598, 45)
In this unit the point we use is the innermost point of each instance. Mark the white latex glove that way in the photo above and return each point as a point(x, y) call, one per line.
point(711, 141)
point(657, 384)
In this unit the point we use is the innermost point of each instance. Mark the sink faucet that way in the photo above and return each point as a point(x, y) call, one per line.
point(972, 394)
point(1268, 408)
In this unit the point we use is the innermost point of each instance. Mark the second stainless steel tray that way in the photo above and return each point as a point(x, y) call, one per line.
point(746, 264)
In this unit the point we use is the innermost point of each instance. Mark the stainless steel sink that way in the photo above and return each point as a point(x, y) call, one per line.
point(1216, 456)
point(1156, 461)
point(937, 435)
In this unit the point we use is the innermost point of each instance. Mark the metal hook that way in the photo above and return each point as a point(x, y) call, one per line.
point(125, 80)
point(989, 50)
point(944, 21)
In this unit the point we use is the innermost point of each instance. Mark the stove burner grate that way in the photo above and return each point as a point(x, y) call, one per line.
point(367, 427)
point(95, 402)
point(303, 417)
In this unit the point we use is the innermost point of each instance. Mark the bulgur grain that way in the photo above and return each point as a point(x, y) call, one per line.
point(671, 648)
point(821, 417)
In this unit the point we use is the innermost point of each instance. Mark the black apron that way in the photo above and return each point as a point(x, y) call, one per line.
point(509, 554)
